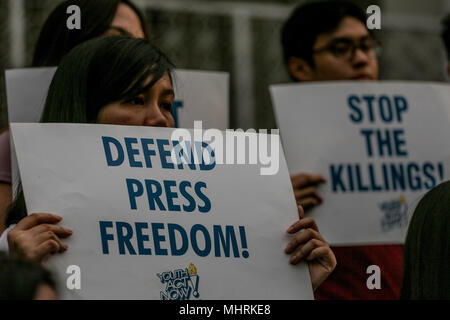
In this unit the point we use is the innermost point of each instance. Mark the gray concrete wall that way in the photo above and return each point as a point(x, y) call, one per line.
point(242, 37)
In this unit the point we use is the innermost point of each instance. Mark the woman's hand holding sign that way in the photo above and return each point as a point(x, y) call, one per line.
point(310, 245)
point(37, 236)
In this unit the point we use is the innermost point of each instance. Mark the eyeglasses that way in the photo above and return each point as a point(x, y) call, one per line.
point(344, 48)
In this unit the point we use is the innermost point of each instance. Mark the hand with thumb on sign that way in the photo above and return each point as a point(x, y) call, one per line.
point(309, 245)
point(38, 236)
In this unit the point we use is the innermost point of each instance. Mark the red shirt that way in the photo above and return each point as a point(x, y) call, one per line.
point(348, 280)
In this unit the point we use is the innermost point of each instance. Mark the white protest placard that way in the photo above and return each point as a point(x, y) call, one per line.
point(199, 95)
point(380, 145)
point(26, 91)
point(146, 228)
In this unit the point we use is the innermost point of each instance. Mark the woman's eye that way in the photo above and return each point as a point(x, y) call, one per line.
point(137, 100)
point(167, 106)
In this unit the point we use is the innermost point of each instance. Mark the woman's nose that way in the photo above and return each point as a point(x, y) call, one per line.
point(154, 116)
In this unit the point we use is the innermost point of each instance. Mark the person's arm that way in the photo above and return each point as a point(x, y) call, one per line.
point(5, 201)
point(305, 189)
point(37, 236)
point(309, 245)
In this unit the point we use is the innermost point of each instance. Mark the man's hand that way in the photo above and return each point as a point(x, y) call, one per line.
point(37, 236)
point(305, 189)
point(309, 245)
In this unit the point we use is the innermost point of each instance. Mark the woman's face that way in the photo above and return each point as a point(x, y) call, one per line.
point(125, 22)
point(151, 108)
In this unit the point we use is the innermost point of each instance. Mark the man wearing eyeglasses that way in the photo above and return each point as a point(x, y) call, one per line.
point(329, 41)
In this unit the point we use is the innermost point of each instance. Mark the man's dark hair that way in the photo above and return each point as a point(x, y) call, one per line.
point(56, 40)
point(446, 34)
point(308, 21)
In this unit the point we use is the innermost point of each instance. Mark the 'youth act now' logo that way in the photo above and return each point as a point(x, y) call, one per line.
point(180, 284)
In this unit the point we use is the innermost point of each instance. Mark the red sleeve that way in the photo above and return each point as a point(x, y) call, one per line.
point(348, 280)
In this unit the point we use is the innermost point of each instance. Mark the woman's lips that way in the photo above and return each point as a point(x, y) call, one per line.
point(363, 77)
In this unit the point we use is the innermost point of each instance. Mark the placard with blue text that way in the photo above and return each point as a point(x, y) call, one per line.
point(379, 145)
point(148, 227)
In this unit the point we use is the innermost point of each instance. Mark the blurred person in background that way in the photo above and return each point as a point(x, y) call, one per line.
point(329, 41)
point(326, 41)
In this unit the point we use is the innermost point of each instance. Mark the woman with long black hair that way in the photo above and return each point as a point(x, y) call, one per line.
point(114, 80)
point(125, 81)
point(99, 18)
